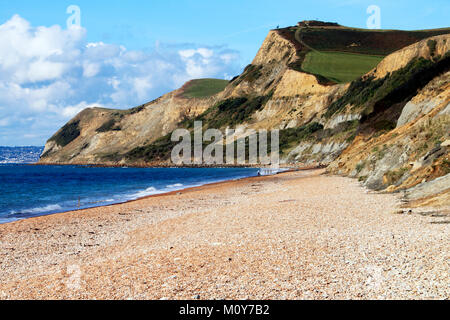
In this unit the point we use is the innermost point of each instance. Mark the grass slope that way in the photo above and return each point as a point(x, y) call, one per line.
point(340, 54)
point(339, 67)
point(377, 95)
point(204, 88)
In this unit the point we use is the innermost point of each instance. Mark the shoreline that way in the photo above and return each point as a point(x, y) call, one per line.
point(162, 165)
point(293, 166)
point(296, 235)
point(168, 193)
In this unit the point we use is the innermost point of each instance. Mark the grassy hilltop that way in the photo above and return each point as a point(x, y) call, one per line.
point(203, 88)
point(338, 54)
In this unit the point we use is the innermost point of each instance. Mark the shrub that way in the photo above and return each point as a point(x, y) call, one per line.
point(159, 150)
point(136, 109)
point(67, 134)
point(360, 166)
point(359, 92)
point(251, 73)
point(109, 125)
point(229, 112)
point(289, 137)
point(384, 125)
point(446, 166)
point(432, 46)
point(392, 177)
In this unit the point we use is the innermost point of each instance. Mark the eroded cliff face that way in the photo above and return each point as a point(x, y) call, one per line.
point(390, 128)
point(429, 49)
point(266, 70)
point(410, 156)
point(104, 134)
point(296, 99)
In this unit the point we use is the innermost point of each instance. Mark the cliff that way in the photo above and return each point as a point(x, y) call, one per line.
point(97, 136)
point(370, 104)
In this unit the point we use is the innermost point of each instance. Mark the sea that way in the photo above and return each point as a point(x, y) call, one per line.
point(29, 191)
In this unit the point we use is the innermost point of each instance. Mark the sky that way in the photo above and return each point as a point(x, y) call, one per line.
point(55, 62)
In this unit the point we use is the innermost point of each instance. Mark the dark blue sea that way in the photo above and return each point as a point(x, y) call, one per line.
point(30, 191)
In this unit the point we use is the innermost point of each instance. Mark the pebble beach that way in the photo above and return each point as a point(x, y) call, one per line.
point(296, 235)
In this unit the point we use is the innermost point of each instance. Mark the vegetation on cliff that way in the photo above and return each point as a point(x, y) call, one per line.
point(375, 95)
point(340, 67)
point(229, 112)
point(203, 88)
point(110, 125)
point(160, 150)
point(67, 134)
point(340, 54)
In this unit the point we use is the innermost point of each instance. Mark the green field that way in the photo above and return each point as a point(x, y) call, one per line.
point(203, 88)
point(339, 67)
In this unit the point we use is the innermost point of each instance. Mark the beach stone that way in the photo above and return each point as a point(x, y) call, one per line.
point(332, 240)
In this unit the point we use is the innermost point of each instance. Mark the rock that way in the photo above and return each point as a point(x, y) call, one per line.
point(391, 188)
point(430, 188)
point(411, 111)
point(416, 165)
point(446, 143)
point(433, 154)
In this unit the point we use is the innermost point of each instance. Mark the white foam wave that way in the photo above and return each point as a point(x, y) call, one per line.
point(49, 208)
point(145, 193)
point(177, 185)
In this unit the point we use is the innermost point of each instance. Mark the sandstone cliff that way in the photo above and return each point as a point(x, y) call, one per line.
point(102, 134)
point(389, 128)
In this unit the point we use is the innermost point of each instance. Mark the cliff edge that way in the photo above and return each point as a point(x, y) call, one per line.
point(370, 104)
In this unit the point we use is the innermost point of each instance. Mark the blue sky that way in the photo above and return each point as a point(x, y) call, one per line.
point(129, 52)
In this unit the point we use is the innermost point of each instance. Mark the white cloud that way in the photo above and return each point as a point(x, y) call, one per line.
point(4, 122)
point(142, 86)
point(49, 74)
point(36, 54)
point(90, 69)
point(185, 54)
point(205, 62)
point(71, 111)
point(206, 53)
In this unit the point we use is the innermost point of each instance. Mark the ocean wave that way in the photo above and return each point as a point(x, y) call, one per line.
point(145, 193)
point(177, 185)
point(271, 171)
point(49, 208)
